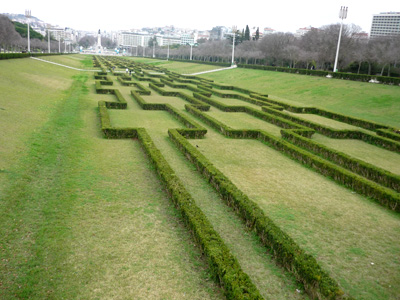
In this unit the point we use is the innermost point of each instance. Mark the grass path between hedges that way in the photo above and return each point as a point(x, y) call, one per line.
point(379, 103)
point(84, 217)
point(352, 237)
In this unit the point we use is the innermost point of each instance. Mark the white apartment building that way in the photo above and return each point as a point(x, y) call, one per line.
point(127, 38)
point(385, 24)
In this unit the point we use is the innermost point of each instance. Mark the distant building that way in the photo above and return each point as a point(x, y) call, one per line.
point(361, 35)
point(218, 33)
point(188, 38)
point(385, 24)
point(302, 31)
point(64, 34)
point(128, 38)
point(268, 30)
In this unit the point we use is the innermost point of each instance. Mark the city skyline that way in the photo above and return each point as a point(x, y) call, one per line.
point(282, 16)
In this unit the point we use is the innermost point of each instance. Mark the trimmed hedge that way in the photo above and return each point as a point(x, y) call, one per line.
point(285, 250)
point(384, 196)
point(281, 122)
point(25, 55)
point(390, 133)
point(121, 102)
point(195, 131)
point(112, 132)
point(360, 167)
point(383, 142)
point(224, 266)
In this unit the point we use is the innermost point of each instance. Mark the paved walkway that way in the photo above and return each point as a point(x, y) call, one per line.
point(50, 62)
point(210, 71)
point(61, 65)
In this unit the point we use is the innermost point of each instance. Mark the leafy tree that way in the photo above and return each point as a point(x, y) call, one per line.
point(153, 41)
point(22, 29)
point(87, 41)
point(247, 34)
point(108, 43)
point(257, 37)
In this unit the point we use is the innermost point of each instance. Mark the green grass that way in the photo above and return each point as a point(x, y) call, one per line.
point(379, 103)
point(382, 158)
point(84, 217)
point(178, 67)
point(325, 219)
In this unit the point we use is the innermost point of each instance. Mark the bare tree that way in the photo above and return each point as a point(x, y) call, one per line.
point(9, 37)
point(272, 46)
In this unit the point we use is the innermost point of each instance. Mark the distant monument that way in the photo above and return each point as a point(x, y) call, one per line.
point(99, 47)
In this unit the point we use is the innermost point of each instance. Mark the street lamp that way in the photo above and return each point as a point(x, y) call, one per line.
point(28, 15)
point(234, 28)
point(191, 50)
point(154, 46)
point(48, 36)
point(168, 51)
point(342, 15)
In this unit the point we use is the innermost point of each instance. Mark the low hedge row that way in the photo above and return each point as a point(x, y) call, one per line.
point(383, 142)
point(273, 119)
point(233, 96)
point(384, 196)
point(360, 167)
point(232, 88)
point(224, 266)
point(24, 55)
point(285, 250)
point(121, 102)
point(181, 95)
point(109, 131)
point(325, 113)
point(390, 133)
point(195, 130)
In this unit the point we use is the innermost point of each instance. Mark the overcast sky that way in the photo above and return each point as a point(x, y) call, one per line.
point(281, 15)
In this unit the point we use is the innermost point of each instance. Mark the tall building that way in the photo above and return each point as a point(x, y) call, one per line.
point(385, 24)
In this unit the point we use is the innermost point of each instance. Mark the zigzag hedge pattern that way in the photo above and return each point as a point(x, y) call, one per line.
point(378, 184)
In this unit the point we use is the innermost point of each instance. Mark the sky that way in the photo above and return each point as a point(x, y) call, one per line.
point(281, 15)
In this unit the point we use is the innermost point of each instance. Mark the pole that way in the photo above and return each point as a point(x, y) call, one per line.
point(233, 45)
point(48, 38)
point(59, 44)
point(342, 15)
point(168, 51)
point(191, 51)
point(28, 15)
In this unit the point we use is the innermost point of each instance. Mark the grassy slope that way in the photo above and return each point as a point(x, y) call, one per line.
point(270, 279)
point(84, 217)
point(379, 103)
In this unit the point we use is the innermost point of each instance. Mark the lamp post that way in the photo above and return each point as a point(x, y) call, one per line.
point(28, 15)
point(168, 51)
point(342, 15)
point(191, 50)
point(154, 46)
point(234, 28)
point(48, 36)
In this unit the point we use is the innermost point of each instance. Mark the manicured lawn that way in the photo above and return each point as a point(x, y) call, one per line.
point(379, 103)
point(82, 216)
point(85, 217)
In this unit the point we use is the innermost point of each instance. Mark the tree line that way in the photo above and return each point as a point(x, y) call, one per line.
point(316, 49)
point(13, 38)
